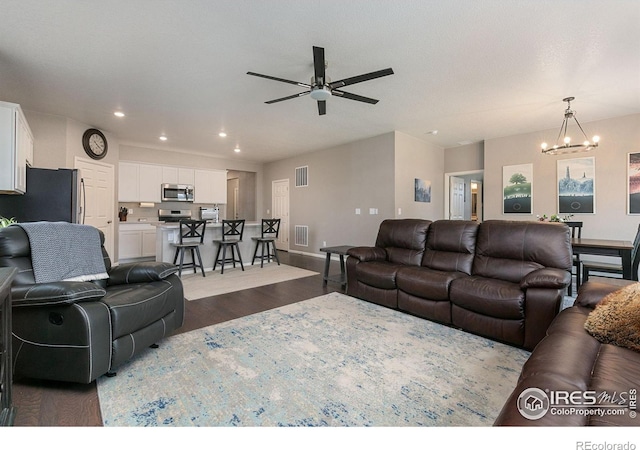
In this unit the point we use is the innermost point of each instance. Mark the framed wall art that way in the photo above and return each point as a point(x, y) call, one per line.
point(576, 186)
point(633, 183)
point(517, 189)
point(422, 190)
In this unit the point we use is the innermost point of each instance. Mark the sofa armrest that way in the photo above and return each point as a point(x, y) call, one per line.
point(55, 293)
point(547, 277)
point(142, 272)
point(363, 254)
point(591, 292)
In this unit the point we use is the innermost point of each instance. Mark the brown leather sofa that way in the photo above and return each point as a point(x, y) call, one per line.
point(501, 279)
point(570, 360)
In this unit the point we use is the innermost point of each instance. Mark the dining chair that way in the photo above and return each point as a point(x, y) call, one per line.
point(576, 232)
point(613, 268)
point(267, 241)
point(191, 238)
point(232, 231)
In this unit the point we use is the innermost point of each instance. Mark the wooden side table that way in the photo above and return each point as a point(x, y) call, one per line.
point(338, 250)
point(7, 411)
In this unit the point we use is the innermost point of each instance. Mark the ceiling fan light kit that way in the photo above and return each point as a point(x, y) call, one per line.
point(564, 145)
point(321, 88)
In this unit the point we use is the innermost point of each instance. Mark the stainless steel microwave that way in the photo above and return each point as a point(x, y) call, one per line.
point(177, 193)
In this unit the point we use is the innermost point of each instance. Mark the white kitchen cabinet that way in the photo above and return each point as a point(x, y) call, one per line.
point(210, 186)
point(177, 175)
point(149, 181)
point(128, 182)
point(136, 240)
point(16, 149)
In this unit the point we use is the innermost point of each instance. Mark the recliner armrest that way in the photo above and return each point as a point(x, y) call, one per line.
point(55, 293)
point(547, 277)
point(140, 272)
point(368, 253)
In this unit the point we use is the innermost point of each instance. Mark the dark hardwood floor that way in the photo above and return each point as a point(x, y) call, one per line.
point(46, 403)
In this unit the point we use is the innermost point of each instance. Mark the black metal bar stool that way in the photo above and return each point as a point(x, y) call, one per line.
point(191, 238)
point(267, 241)
point(232, 231)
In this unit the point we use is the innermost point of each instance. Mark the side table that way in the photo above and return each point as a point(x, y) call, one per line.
point(7, 411)
point(338, 250)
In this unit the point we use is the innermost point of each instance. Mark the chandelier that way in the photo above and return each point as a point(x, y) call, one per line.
point(565, 145)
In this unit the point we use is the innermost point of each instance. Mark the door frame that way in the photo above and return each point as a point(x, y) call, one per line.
point(447, 193)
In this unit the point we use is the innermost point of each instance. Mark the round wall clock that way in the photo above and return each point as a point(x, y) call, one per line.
point(94, 143)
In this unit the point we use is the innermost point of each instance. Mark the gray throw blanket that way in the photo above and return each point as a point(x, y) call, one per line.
point(62, 251)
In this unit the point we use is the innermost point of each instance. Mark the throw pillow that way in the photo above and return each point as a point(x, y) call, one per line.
point(616, 319)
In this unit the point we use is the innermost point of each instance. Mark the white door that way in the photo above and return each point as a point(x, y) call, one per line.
point(280, 210)
point(97, 198)
point(456, 200)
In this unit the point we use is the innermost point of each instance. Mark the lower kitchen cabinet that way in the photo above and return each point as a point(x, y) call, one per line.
point(136, 241)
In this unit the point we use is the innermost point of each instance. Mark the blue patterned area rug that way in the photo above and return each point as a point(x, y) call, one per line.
point(329, 361)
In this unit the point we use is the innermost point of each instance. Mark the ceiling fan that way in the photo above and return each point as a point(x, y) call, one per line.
point(321, 88)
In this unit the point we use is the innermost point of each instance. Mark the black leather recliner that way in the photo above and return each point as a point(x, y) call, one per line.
point(79, 330)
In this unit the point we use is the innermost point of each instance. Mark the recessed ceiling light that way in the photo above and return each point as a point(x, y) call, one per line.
point(163, 138)
point(237, 150)
point(434, 132)
point(118, 114)
point(222, 134)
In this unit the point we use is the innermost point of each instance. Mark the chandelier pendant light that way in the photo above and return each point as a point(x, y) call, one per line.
point(563, 141)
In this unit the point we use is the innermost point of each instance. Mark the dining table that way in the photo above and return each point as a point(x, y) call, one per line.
point(605, 247)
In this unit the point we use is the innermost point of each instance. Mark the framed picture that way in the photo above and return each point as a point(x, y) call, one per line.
point(633, 183)
point(517, 189)
point(576, 186)
point(422, 190)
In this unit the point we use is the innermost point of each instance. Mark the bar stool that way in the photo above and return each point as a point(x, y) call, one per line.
point(266, 241)
point(232, 231)
point(191, 238)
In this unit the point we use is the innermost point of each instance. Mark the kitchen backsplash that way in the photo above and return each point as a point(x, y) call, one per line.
point(150, 214)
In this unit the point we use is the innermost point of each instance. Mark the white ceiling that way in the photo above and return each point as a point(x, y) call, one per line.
point(471, 69)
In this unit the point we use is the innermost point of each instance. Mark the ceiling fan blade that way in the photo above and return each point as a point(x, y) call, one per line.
point(289, 97)
point(318, 65)
point(269, 77)
point(322, 107)
point(356, 97)
point(361, 78)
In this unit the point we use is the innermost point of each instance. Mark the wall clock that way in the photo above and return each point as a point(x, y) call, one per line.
point(94, 143)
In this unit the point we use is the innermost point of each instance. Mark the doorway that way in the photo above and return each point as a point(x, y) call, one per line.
point(463, 197)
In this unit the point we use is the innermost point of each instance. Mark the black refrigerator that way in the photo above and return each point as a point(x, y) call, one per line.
point(52, 195)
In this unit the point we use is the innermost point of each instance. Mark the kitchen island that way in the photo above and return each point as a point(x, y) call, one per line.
point(169, 232)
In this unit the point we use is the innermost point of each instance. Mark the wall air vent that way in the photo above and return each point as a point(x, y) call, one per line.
point(302, 235)
point(302, 176)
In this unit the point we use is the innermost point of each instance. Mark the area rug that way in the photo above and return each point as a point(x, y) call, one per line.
point(329, 361)
point(234, 279)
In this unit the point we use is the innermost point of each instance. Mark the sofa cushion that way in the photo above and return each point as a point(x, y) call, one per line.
point(403, 239)
point(380, 274)
point(134, 306)
point(616, 319)
point(490, 297)
point(426, 283)
point(451, 245)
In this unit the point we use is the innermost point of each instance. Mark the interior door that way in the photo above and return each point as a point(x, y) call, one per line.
point(456, 200)
point(280, 210)
point(97, 198)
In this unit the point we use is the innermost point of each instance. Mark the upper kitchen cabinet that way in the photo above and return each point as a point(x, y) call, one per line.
point(178, 175)
point(139, 182)
point(16, 149)
point(210, 186)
